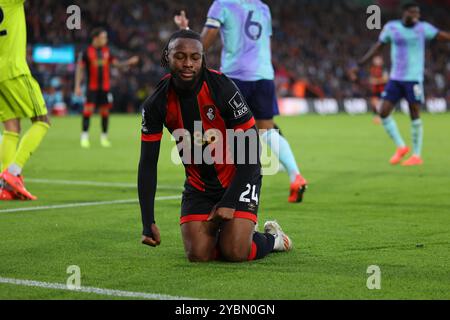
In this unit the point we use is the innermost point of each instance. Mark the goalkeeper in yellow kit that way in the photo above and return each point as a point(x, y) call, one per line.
point(20, 97)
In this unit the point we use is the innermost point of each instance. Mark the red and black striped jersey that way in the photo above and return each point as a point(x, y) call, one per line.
point(376, 72)
point(98, 63)
point(377, 78)
point(216, 104)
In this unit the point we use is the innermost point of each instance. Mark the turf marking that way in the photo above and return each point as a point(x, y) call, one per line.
point(96, 184)
point(99, 291)
point(84, 204)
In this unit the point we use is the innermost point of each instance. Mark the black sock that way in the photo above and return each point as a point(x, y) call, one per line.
point(105, 123)
point(86, 122)
point(263, 244)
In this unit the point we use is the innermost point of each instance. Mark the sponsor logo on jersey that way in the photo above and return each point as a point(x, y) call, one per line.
point(238, 105)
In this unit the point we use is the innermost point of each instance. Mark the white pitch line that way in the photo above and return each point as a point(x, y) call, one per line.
point(96, 184)
point(99, 291)
point(84, 204)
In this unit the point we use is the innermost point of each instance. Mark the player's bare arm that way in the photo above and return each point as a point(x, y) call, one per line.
point(78, 77)
point(147, 179)
point(443, 36)
point(373, 51)
point(208, 35)
point(376, 49)
point(127, 63)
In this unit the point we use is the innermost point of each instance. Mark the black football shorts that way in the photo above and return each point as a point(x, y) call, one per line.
point(197, 205)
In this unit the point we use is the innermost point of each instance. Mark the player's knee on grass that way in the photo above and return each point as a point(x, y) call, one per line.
point(235, 252)
point(194, 257)
point(199, 240)
point(199, 254)
point(235, 239)
point(199, 249)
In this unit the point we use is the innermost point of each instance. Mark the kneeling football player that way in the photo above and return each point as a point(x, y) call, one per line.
point(220, 198)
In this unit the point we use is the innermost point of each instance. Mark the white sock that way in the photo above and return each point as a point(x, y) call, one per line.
point(84, 135)
point(104, 136)
point(15, 169)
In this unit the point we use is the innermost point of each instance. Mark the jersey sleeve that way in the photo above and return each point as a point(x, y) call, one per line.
point(385, 35)
point(152, 122)
point(269, 22)
point(234, 108)
point(430, 31)
point(216, 15)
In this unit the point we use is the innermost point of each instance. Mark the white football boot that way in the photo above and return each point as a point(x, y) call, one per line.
point(282, 241)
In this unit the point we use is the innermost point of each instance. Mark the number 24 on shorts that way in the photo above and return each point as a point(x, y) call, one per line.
point(246, 193)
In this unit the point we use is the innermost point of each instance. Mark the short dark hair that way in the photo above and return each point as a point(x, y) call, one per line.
point(408, 5)
point(96, 32)
point(180, 34)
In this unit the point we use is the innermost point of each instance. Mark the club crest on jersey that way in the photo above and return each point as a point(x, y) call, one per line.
point(210, 112)
point(238, 105)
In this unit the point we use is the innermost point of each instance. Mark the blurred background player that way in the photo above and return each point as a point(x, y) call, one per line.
point(97, 60)
point(246, 29)
point(378, 79)
point(20, 97)
point(407, 37)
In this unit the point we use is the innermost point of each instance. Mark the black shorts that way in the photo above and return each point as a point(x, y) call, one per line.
point(99, 98)
point(261, 97)
point(412, 91)
point(197, 205)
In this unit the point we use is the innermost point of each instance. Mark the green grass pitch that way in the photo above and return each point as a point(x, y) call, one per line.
point(358, 211)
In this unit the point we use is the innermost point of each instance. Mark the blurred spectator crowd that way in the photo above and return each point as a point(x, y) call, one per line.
point(314, 43)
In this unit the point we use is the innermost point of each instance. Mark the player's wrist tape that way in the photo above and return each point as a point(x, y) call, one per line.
point(212, 23)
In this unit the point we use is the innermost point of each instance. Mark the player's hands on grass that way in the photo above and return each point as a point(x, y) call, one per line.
point(221, 214)
point(155, 239)
point(181, 21)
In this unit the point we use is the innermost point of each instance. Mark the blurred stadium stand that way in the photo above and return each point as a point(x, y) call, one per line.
point(314, 42)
